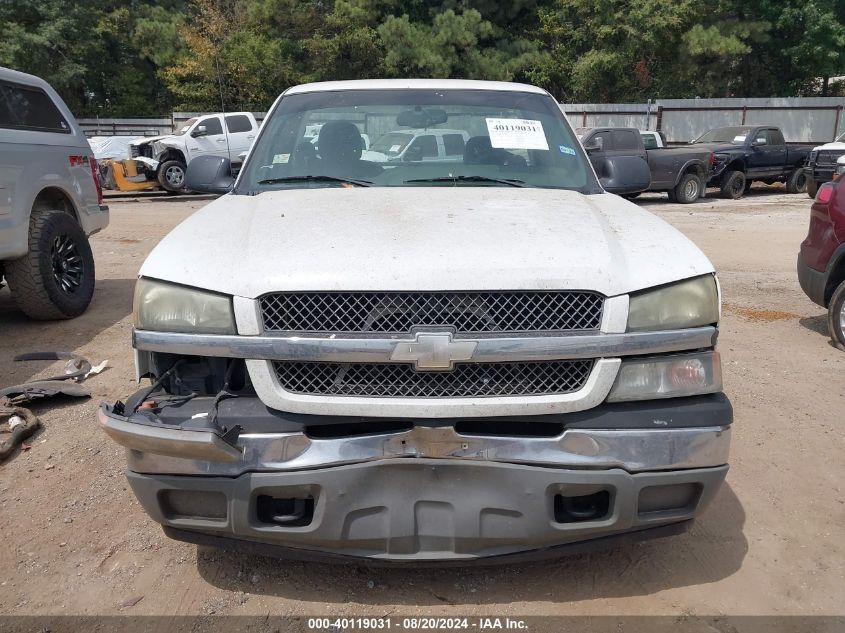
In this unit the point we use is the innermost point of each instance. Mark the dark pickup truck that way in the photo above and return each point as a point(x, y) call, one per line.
point(748, 153)
point(680, 172)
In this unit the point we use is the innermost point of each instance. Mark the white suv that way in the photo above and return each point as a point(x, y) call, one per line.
point(50, 200)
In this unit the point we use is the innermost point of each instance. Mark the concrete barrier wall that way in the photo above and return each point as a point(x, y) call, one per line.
point(802, 119)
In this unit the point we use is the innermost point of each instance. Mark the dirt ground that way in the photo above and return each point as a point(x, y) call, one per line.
point(75, 541)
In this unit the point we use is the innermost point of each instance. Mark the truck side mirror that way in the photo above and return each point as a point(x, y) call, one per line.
point(199, 130)
point(209, 174)
point(624, 174)
point(592, 147)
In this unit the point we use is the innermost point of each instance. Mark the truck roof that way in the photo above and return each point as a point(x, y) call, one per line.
point(16, 76)
point(406, 84)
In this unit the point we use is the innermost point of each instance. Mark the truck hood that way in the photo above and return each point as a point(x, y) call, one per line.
point(831, 146)
point(148, 139)
point(430, 238)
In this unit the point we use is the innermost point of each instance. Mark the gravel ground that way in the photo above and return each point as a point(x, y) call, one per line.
point(75, 541)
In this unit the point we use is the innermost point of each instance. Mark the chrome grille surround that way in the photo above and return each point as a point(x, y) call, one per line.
point(466, 380)
point(401, 312)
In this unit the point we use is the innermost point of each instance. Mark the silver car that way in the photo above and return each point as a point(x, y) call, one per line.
point(50, 200)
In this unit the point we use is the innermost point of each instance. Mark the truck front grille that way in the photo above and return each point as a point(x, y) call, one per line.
point(390, 380)
point(828, 157)
point(400, 312)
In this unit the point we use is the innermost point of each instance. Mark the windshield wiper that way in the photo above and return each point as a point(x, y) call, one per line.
point(351, 181)
point(502, 181)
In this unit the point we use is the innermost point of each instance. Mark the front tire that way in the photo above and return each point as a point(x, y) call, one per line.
point(55, 279)
point(733, 185)
point(836, 316)
point(687, 190)
point(797, 181)
point(812, 187)
point(171, 176)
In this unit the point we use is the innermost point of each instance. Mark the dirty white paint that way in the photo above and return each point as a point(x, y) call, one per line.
point(427, 238)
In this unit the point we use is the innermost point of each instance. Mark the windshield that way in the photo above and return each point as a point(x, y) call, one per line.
point(419, 138)
point(734, 135)
point(182, 130)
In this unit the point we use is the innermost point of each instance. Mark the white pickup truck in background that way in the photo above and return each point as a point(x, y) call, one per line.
point(168, 156)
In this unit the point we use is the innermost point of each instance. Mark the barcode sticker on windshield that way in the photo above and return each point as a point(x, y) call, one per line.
point(516, 134)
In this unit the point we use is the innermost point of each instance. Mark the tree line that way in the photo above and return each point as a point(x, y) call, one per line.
point(143, 57)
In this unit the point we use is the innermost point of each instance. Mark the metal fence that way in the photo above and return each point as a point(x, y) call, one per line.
point(149, 126)
point(802, 119)
point(152, 126)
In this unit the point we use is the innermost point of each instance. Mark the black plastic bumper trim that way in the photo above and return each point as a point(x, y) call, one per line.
point(253, 416)
point(243, 546)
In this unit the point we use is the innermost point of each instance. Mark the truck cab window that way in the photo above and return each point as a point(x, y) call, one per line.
point(625, 139)
point(27, 108)
point(425, 145)
point(212, 126)
point(649, 141)
point(238, 123)
point(453, 144)
point(604, 140)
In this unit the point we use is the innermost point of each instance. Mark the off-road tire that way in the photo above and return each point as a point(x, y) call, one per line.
point(167, 176)
point(797, 181)
point(687, 190)
point(836, 316)
point(812, 187)
point(35, 279)
point(733, 185)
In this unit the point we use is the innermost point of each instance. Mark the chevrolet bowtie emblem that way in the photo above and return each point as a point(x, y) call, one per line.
point(435, 351)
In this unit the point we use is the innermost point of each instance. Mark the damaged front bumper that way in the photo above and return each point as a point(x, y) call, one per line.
point(429, 492)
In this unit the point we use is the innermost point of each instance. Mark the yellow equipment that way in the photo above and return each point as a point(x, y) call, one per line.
point(124, 174)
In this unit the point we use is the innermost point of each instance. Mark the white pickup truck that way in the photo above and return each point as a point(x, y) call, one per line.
point(168, 156)
point(425, 360)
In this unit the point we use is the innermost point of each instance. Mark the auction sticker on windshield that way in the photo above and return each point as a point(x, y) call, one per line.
point(516, 134)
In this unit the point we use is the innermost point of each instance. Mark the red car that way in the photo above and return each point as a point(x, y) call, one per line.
point(821, 261)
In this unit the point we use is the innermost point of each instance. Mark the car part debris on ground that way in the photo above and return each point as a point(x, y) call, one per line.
point(16, 424)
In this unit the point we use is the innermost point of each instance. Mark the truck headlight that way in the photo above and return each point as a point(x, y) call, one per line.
point(672, 376)
point(171, 308)
point(690, 303)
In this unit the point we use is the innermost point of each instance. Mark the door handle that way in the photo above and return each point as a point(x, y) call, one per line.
point(251, 136)
point(221, 140)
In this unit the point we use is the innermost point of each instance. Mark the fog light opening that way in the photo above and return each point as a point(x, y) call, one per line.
point(668, 499)
point(193, 504)
point(285, 512)
point(579, 509)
